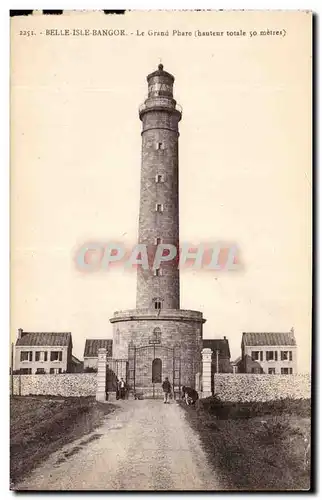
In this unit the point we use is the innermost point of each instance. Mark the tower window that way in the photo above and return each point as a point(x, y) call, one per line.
point(159, 145)
point(155, 338)
point(157, 304)
point(159, 207)
point(159, 178)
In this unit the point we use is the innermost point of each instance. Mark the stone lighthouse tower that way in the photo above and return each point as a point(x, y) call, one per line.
point(159, 210)
point(158, 339)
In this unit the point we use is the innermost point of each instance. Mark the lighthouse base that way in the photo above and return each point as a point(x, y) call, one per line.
point(159, 344)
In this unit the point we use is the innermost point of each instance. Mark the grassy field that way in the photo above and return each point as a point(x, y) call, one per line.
point(261, 446)
point(41, 425)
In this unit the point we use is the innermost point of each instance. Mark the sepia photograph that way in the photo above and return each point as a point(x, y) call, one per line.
point(161, 250)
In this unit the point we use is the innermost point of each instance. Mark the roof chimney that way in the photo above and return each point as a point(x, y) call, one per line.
point(20, 332)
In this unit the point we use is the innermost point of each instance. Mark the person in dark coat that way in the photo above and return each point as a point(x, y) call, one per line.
point(166, 387)
point(190, 395)
point(122, 388)
point(117, 389)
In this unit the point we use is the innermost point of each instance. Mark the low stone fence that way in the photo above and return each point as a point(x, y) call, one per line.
point(66, 384)
point(248, 387)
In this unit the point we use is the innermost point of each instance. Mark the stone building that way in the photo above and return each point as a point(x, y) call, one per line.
point(269, 352)
point(91, 352)
point(157, 338)
point(43, 352)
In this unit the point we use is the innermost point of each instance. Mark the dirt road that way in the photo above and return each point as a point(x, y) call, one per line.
point(144, 445)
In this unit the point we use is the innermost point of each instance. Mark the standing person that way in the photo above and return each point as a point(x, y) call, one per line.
point(190, 395)
point(122, 388)
point(166, 387)
point(117, 389)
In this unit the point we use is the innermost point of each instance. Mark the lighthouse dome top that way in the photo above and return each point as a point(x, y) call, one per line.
point(161, 73)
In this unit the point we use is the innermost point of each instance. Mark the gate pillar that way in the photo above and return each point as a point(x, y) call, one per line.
point(197, 382)
point(101, 375)
point(206, 372)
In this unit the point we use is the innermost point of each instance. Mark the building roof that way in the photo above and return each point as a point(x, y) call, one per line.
point(76, 360)
point(237, 360)
point(160, 72)
point(221, 345)
point(93, 345)
point(268, 338)
point(45, 339)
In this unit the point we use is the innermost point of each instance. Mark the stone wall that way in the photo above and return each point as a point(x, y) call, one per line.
point(249, 387)
point(69, 384)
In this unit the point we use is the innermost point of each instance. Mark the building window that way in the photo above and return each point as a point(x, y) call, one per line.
point(55, 371)
point(284, 355)
point(286, 371)
point(255, 355)
point(26, 356)
point(41, 356)
point(271, 371)
point(159, 207)
point(56, 356)
point(271, 355)
point(159, 145)
point(157, 272)
point(158, 241)
point(25, 371)
point(291, 356)
point(40, 371)
point(159, 178)
point(156, 371)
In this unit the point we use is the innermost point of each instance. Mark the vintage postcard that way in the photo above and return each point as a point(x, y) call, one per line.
point(161, 250)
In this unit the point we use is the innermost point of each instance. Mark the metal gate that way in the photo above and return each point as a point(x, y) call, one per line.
point(115, 369)
point(153, 352)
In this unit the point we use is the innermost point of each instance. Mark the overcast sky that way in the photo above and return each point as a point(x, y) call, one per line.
point(244, 166)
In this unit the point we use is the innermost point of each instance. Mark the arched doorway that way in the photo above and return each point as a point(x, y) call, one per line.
point(156, 371)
